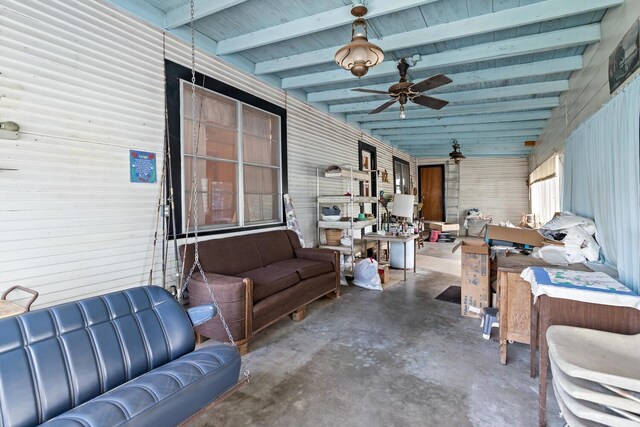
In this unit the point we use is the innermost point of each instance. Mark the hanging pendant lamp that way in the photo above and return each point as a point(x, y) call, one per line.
point(456, 155)
point(359, 55)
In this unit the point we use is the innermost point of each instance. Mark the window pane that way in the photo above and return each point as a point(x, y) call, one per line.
point(402, 178)
point(211, 108)
point(261, 151)
point(259, 123)
point(213, 141)
point(405, 179)
point(216, 125)
point(217, 192)
point(261, 194)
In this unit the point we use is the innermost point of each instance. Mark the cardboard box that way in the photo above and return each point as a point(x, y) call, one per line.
point(442, 226)
point(523, 236)
point(475, 276)
point(383, 272)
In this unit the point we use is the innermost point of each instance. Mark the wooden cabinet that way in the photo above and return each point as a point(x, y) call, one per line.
point(514, 296)
point(514, 299)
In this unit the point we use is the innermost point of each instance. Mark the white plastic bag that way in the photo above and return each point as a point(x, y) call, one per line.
point(365, 274)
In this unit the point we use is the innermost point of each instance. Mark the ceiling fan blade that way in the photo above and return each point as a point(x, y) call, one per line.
point(430, 102)
point(380, 92)
point(431, 83)
point(383, 106)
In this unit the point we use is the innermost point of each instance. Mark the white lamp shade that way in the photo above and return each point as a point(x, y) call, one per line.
point(402, 205)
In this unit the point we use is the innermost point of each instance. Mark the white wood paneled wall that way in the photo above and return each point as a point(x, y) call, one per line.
point(588, 87)
point(86, 84)
point(496, 186)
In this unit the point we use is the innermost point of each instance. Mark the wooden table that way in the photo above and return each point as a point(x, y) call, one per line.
point(514, 298)
point(400, 239)
point(549, 311)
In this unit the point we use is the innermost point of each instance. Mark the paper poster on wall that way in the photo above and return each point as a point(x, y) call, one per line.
point(142, 166)
point(625, 59)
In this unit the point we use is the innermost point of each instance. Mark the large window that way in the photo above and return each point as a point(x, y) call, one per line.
point(544, 190)
point(401, 176)
point(240, 159)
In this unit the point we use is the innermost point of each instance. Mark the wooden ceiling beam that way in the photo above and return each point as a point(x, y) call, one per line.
point(497, 21)
point(465, 96)
point(577, 36)
point(410, 144)
point(312, 24)
point(472, 127)
point(468, 111)
point(393, 126)
point(523, 134)
point(540, 68)
point(181, 15)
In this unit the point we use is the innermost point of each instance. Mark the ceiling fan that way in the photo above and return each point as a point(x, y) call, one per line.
point(404, 91)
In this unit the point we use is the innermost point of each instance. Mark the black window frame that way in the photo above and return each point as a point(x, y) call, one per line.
point(174, 74)
point(406, 163)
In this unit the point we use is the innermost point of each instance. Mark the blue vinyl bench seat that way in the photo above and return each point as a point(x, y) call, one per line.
point(121, 359)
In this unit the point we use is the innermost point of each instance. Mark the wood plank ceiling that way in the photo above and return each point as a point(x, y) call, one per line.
point(509, 60)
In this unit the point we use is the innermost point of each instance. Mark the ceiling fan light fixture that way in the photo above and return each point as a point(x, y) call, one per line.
point(456, 155)
point(402, 114)
point(359, 55)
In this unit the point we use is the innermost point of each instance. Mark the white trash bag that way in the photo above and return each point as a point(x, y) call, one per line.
point(365, 274)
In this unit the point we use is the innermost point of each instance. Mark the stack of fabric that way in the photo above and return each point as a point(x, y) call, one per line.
point(578, 235)
point(596, 376)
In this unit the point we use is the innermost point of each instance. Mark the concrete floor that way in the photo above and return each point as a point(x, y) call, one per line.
point(398, 357)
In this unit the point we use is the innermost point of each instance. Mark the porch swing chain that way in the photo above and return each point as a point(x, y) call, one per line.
point(194, 175)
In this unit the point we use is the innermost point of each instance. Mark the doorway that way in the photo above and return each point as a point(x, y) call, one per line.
point(431, 188)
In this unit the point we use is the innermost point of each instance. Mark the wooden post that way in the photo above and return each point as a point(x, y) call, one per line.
point(243, 348)
point(299, 314)
point(503, 301)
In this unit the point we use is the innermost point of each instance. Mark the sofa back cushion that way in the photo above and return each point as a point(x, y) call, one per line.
point(54, 359)
point(232, 256)
point(275, 246)
point(228, 256)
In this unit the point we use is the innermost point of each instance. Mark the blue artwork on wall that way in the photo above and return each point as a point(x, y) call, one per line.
point(142, 166)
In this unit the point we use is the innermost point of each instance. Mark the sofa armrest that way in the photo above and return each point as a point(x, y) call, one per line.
point(318, 254)
point(234, 296)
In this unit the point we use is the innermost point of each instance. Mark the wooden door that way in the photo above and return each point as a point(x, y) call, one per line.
point(432, 192)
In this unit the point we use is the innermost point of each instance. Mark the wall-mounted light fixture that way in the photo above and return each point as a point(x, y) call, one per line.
point(9, 130)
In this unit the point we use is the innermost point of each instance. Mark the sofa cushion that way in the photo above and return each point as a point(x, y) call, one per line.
point(273, 246)
point(269, 280)
point(229, 256)
point(282, 303)
point(165, 396)
point(306, 268)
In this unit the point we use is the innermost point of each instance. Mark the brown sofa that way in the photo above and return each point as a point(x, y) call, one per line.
point(258, 279)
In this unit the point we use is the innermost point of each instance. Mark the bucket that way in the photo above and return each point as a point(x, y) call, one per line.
point(433, 237)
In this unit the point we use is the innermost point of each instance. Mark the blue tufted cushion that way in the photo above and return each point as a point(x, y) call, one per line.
point(165, 396)
point(54, 359)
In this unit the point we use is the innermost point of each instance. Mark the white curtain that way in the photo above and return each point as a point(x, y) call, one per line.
point(545, 199)
point(544, 189)
point(602, 180)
